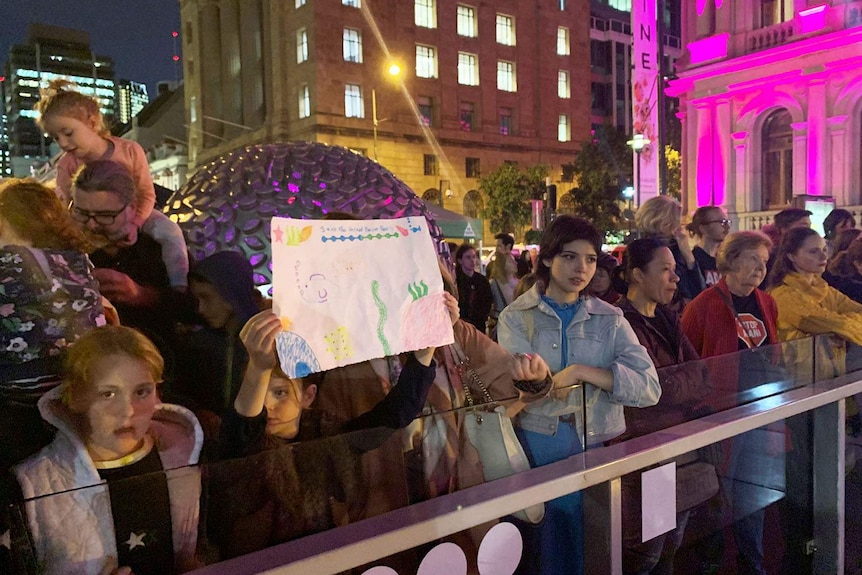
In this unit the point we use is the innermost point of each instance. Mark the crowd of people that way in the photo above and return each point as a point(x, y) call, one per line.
point(124, 368)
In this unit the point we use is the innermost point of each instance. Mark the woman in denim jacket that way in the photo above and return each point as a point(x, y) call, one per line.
point(600, 351)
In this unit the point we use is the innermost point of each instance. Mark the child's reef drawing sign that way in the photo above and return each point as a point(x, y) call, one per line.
point(349, 291)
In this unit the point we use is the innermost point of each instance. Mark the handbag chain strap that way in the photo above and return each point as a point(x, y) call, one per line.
point(467, 371)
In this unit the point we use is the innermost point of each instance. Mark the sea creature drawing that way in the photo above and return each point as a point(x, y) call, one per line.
point(296, 356)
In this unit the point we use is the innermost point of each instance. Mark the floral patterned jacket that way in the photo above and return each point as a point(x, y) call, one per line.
point(48, 298)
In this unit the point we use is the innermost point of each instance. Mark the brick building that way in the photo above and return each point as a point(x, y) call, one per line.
point(481, 83)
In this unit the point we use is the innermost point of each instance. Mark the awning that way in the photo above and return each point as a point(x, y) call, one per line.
point(455, 225)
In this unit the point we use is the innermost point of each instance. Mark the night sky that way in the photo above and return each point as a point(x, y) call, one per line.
point(135, 33)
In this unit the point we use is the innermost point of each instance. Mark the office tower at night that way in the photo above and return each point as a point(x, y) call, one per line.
point(50, 52)
point(131, 99)
point(477, 85)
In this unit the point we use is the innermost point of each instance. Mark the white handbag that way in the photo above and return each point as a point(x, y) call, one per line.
point(491, 433)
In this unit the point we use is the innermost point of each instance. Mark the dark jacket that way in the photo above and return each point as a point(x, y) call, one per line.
point(474, 299)
point(683, 377)
point(849, 286)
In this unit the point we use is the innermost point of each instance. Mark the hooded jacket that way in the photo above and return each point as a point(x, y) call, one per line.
point(68, 505)
point(231, 274)
point(598, 336)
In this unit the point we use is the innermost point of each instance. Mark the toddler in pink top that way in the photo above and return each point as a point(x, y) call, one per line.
point(75, 122)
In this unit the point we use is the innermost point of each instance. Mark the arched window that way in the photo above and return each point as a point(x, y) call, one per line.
point(432, 196)
point(473, 204)
point(566, 204)
point(775, 12)
point(777, 153)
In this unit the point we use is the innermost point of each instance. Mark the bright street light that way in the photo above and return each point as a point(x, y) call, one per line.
point(638, 143)
point(394, 70)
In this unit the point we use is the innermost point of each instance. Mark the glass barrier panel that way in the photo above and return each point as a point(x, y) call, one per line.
point(759, 518)
point(149, 522)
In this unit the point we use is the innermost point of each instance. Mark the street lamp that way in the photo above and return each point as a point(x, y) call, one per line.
point(638, 143)
point(394, 71)
point(629, 194)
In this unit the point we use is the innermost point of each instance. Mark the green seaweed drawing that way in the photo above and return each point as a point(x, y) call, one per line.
point(418, 290)
point(384, 314)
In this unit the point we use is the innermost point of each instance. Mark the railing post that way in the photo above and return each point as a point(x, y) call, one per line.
point(603, 529)
point(828, 504)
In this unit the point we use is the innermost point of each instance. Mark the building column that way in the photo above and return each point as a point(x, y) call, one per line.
point(800, 157)
point(687, 204)
point(721, 152)
point(704, 154)
point(742, 200)
point(210, 103)
point(817, 140)
point(231, 74)
point(839, 184)
point(251, 63)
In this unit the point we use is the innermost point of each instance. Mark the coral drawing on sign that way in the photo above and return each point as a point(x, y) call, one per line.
point(418, 290)
point(301, 360)
point(339, 344)
point(428, 311)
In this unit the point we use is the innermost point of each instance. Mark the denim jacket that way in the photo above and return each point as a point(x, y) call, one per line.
point(599, 336)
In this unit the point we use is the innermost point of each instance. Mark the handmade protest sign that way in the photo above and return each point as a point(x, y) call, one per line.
point(349, 291)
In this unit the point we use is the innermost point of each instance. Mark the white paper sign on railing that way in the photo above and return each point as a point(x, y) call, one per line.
point(349, 291)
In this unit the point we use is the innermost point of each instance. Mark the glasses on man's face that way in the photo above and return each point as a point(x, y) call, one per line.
point(725, 223)
point(101, 218)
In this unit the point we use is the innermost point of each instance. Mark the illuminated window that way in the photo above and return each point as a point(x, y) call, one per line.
point(425, 106)
point(563, 41)
point(468, 69)
point(505, 121)
point(505, 30)
point(777, 151)
point(467, 21)
point(775, 12)
point(473, 204)
point(562, 4)
point(301, 45)
point(352, 46)
point(430, 164)
point(564, 130)
point(425, 13)
point(304, 102)
point(353, 3)
point(300, 3)
point(467, 116)
point(563, 88)
point(353, 105)
point(426, 61)
point(506, 80)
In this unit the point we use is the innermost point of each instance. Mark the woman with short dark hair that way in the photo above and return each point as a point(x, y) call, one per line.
point(584, 341)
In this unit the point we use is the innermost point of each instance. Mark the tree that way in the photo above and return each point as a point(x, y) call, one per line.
point(509, 191)
point(674, 172)
point(602, 167)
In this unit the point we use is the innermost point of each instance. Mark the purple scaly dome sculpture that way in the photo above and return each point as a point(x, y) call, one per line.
point(228, 203)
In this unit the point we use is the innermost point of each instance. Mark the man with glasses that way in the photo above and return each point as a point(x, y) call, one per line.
point(129, 265)
point(710, 226)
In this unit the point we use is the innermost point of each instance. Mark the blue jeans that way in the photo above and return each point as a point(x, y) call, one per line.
point(556, 545)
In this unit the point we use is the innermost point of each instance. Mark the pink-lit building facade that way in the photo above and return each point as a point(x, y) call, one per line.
point(771, 104)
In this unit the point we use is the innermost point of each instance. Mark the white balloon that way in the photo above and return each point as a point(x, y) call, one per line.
point(444, 559)
point(500, 550)
point(380, 570)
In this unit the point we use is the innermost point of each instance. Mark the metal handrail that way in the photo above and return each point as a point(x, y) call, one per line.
point(378, 537)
